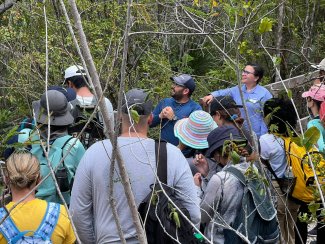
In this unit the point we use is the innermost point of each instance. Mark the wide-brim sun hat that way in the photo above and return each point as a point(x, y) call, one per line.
point(59, 109)
point(194, 130)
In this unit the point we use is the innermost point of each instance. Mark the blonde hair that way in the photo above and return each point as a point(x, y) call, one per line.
point(22, 169)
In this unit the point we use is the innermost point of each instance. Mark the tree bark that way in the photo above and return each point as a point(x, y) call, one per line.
point(102, 105)
point(279, 38)
point(7, 5)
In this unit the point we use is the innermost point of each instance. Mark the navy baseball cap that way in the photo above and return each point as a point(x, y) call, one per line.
point(185, 81)
point(222, 103)
point(69, 93)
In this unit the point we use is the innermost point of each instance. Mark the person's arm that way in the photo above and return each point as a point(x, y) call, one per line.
point(155, 114)
point(81, 204)
point(183, 183)
point(110, 112)
point(222, 92)
point(211, 199)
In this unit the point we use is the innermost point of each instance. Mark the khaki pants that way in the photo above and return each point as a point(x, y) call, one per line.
point(287, 211)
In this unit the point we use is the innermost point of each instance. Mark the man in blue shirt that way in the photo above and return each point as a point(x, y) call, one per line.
point(254, 95)
point(179, 106)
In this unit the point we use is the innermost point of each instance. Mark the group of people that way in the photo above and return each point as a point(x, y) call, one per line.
point(200, 147)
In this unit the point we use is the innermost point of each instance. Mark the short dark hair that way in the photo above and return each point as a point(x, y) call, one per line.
point(258, 71)
point(282, 114)
point(78, 81)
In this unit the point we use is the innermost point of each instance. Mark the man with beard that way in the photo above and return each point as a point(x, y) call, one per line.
point(179, 106)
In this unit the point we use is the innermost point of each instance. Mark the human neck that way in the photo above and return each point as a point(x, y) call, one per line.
point(84, 92)
point(314, 111)
point(183, 100)
point(17, 195)
point(141, 133)
point(250, 87)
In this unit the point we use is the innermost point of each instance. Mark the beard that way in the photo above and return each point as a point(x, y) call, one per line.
point(177, 95)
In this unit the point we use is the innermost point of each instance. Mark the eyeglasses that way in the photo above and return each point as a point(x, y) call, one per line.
point(248, 72)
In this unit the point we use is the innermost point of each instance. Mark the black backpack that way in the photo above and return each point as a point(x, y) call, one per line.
point(256, 219)
point(162, 215)
point(95, 129)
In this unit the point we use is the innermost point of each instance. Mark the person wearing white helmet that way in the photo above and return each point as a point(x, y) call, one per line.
point(321, 76)
point(75, 77)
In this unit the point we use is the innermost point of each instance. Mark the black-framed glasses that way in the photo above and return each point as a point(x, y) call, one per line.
point(248, 72)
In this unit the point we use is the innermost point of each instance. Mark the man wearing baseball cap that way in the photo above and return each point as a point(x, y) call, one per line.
point(179, 106)
point(92, 214)
point(75, 78)
point(321, 67)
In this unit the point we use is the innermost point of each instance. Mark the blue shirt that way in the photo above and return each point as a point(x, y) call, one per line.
point(318, 124)
point(254, 100)
point(181, 110)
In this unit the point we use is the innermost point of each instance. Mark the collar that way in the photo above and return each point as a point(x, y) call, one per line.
point(244, 89)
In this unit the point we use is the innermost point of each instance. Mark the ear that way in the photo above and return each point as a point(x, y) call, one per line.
point(256, 78)
point(186, 91)
point(150, 118)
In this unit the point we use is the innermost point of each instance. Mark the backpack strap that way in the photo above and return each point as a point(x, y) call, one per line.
point(237, 173)
point(161, 160)
point(9, 230)
point(66, 142)
point(49, 221)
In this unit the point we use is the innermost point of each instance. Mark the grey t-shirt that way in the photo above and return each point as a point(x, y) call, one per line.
point(90, 207)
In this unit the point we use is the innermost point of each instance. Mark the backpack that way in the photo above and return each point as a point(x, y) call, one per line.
point(47, 190)
point(257, 213)
point(42, 235)
point(161, 213)
point(300, 172)
point(94, 130)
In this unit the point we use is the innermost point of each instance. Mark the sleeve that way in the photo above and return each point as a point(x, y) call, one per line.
point(211, 199)
point(183, 183)
point(267, 96)
point(71, 161)
point(264, 146)
point(223, 92)
point(70, 237)
point(319, 126)
point(110, 112)
point(81, 203)
point(155, 113)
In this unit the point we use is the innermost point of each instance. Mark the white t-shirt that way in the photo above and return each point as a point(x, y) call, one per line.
point(272, 149)
point(91, 100)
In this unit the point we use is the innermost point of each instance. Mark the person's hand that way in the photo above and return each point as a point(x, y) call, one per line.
point(208, 99)
point(201, 164)
point(167, 113)
point(197, 179)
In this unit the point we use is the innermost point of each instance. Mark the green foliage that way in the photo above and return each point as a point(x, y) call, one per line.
point(265, 25)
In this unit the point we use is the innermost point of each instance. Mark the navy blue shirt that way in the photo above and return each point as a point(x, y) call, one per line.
point(181, 110)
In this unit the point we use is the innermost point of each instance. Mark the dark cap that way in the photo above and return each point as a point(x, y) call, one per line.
point(69, 93)
point(136, 99)
point(222, 103)
point(184, 80)
point(218, 136)
point(59, 109)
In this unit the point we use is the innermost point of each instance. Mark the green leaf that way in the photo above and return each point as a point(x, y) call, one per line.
point(265, 25)
point(235, 157)
point(176, 219)
point(311, 137)
point(135, 116)
point(297, 140)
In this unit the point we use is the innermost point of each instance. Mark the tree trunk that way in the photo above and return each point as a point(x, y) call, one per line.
point(279, 38)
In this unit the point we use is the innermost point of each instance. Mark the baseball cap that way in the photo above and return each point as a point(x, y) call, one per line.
point(222, 103)
point(218, 136)
point(136, 99)
point(320, 66)
point(59, 109)
point(74, 70)
point(69, 93)
point(184, 80)
point(316, 92)
point(194, 130)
